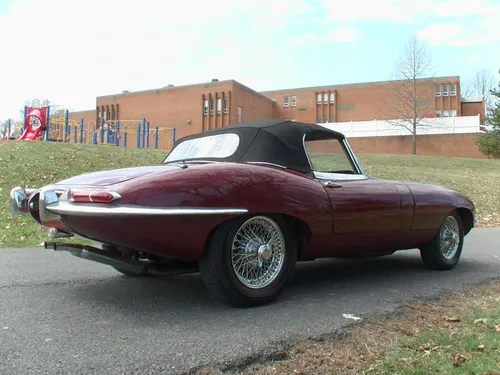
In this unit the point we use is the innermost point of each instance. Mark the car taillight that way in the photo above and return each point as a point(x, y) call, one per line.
point(93, 196)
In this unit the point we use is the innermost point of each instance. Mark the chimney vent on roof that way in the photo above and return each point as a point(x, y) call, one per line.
point(125, 91)
point(170, 85)
point(215, 80)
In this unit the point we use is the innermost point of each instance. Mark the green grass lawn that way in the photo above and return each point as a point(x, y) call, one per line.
point(35, 164)
point(459, 333)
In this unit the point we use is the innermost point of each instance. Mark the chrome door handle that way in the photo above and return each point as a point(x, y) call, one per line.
point(332, 185)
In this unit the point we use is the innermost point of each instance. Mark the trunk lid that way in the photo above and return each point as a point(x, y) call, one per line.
point(115, 176)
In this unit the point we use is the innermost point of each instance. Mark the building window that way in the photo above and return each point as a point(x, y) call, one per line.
point(446, 113)
point(211, 106)
point(453, 89)
point(438, 90)
point(205, 107)
point(332, 118)
point(240, 114)
point(318, 119)
point(285, 101)
point(445, 90)
point(219, 105)
point(318, 98)
point(332, 97)
point(438, 113)
point(294, 101)
point(325, 98)
point(226, 104)
point(453, 113)
point(325, 119)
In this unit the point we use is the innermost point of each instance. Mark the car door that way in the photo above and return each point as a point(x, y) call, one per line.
point(360, 205)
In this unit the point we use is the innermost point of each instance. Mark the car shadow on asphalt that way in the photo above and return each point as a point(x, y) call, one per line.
point(326, 280)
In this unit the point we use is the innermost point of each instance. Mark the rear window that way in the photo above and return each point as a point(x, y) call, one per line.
point(213, 146)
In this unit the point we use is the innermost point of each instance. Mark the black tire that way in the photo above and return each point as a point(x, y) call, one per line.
point(431, 254)
point(220, 277)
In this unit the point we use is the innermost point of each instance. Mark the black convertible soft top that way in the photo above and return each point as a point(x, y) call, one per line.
point(272, 141)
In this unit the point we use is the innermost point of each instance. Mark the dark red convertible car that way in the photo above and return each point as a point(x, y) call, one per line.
point(242, 204)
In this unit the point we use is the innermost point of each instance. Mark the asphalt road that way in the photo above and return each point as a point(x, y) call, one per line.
point(63, 315)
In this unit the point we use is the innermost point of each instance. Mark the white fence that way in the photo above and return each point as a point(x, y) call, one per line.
point(378, 128)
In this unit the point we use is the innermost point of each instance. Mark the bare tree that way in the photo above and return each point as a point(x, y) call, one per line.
point(496, 91)
point(4, 128)
point(482, 83)
point(467, 90)
point(408, 95)
point(55, 110)
point(15, 129)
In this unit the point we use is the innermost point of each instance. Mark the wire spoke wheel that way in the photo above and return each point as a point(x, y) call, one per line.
point(258, 252)
point(449, 237)
point(249, 260)
point(445, 249)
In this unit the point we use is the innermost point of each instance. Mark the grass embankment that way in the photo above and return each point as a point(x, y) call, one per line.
point(35, 164)
point(458, 334)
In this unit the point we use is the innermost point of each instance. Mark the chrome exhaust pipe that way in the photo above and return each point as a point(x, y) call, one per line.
point(100, 256)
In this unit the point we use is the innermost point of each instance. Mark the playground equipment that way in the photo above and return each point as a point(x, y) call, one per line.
point(35, 123)
point(118, 133)
point(61, 128)
point(35, 120)
point(39, 124)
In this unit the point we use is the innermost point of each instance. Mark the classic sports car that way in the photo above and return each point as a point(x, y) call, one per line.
point(242, 204)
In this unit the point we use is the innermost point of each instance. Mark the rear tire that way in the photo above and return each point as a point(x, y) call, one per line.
point(248, 261)
point(444, 251)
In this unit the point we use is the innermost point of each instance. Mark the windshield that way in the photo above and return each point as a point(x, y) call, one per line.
point(214, 146)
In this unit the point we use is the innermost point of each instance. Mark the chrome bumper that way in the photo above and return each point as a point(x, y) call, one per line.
point(24, 201)
point(19, 200)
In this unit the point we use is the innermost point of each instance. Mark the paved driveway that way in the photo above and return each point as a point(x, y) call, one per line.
point(61, 314)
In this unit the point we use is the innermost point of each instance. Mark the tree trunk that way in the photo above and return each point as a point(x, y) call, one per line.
point(414, 136)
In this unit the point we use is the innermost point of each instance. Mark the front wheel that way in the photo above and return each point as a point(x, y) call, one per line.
point(444, 251)
point(249, 261)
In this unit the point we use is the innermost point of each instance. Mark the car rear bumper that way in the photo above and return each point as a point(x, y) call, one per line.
point(19, 200)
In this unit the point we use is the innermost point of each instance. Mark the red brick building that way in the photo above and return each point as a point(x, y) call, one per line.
point(199, 107)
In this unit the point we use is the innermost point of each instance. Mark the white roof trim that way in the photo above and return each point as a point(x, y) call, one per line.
point(472, 99)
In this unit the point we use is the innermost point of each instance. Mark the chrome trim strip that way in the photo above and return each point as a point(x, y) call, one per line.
point(267, 163)
point(353, 157)
point(338, 176)
point(305, 151)
point(65, 208)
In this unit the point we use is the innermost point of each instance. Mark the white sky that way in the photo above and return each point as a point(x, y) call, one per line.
point(72, 51)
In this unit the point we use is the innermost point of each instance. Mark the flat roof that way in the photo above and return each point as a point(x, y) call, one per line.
point(165, 88)
point(362, 83)
point(276, 90)
point(472, 99)
point(185, 86)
